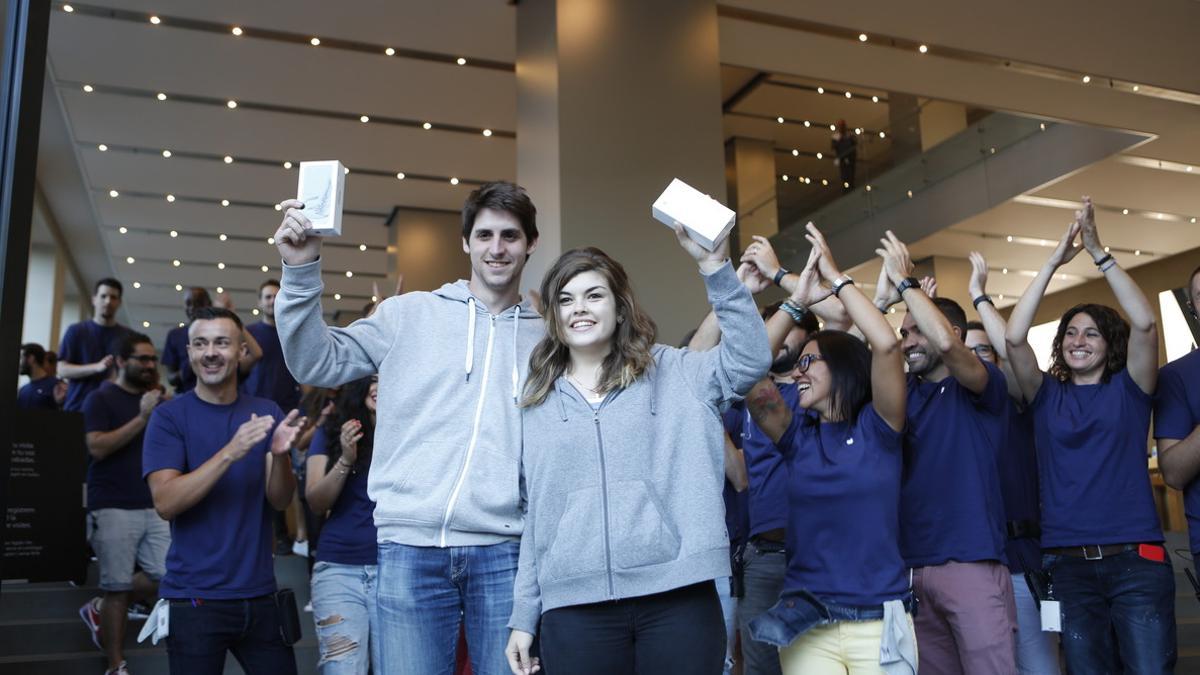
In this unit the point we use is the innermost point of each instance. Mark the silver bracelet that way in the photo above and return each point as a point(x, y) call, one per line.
point(1108, 265)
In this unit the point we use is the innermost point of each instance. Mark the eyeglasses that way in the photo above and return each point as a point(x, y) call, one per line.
point(145, 358)
point(807, 360)
point(983, 350)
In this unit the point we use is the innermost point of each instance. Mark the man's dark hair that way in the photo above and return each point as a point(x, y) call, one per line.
point(35, 350)
point(976, 325)
point(809, 325)
point(111, 283)
point(214, 313)
point(51, 356)
point(501, 196)
point(130, 342)
point(954, 314)
point(268, 282)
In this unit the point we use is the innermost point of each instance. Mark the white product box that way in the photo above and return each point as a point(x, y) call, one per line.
point(706, 220)
point(322, 187)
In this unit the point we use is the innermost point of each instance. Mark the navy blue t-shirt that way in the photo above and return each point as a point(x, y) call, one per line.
point(1017, 464)
point(38, 394)
point(348, 537)
point(767, 476)
point(843, 529)
point(950, 506)
point(1176, 416)
point(174, 356)
point(83, 343)
point(270, 378)
point(115, 482)
point(1091, 442)
point(737, 504)
point(221, 547)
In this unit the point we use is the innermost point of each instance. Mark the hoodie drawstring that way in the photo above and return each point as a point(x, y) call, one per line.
point(516, 374)
point(470, 336)
point(562, 407)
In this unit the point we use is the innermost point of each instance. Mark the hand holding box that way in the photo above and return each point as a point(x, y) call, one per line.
point(706, 220)
point(321, 188)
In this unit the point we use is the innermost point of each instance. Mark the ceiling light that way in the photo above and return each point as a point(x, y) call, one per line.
point(909, 193)
point(145, 324)
point(316, 42)
point(129, 260)
point(349, 274)
point(824, 182)
point(265, 268)
point(858, 131)
point(123, 230)
point(1124, 212)
point(1087, 78)
point(68, 9)
point(345, 171)
point(1043, 126)
point(222, 236)
point(254, 311)
point(848, 95)
point(278, 207)
point(389, 51)
point(237, 30)
point(88, 88)
point(174, 234)
point(160, 96)
point(868, 188)
point(137, 284)
point(337, 296)
point(1137, 252)
point(846, 185)
point(231, 104)
point(461, 61)
point(454, 181)
point(179, 287)
point(362, 247)
point(171, 198)
point(364, 119)
point(779, 119)
point(220, 265)
point(882, 135)
point(271, 240)
point(820, 155)
point(102, 147)
point(487, 132)
point(795, 153)
point(400, 176)
point(820, 90)
point(1106, 249)
point(427, 126)
point(1189, 169)
point(862, 37)
point(224, 202)
point(287, 165)
point(1135, 87)
point(807, 180)
point(832, 127)
point(228, 159)
point(222, 290)
point(923, 49)
point(1004, 270)
point(785, 177)
point(806, 123)
point(155, 20)
point(181, 324)
point(176, 262)
point(1009, 238)
point(167, 153)
point(874, 99)
point(1193, 220)
point(374, 298)
point(114, 194)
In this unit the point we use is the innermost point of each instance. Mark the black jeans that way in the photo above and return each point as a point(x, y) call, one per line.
point(202, 631)
point(680, 631)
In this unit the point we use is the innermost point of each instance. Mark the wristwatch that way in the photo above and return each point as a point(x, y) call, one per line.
point(907, 283)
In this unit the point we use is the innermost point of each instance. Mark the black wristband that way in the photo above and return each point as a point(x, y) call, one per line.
point(779, 276)
point(841, 282)
point(907, 283)
point(1106, 258)
point(981, 299)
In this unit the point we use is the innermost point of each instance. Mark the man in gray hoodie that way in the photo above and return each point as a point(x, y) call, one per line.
point(445, 474)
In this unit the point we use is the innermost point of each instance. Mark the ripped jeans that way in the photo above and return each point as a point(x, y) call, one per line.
point(344, 611)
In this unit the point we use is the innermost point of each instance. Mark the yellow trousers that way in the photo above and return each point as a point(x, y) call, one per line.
point(844, 648)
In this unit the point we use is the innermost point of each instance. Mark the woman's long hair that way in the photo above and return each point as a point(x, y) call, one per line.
point(631, 342)
point(351, 404)
point(1112, 327)
point(849, 363)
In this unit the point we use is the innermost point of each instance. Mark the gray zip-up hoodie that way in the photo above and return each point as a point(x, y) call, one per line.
point(446, 464)
point(625, 500)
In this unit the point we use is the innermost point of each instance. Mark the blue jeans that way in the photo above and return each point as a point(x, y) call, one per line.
point(201, 633)
point(425, 595)
point(343, 598)
point(1118, 613)
point(764, 582)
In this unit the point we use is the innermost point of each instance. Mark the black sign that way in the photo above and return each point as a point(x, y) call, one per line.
point(44, 528)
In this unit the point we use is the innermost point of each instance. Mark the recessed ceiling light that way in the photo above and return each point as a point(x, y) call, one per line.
point(862, 37)
point(349, 274)
point(1137, 252)
point(785, 177)
point(389, 51)
point(137, 284)
point(174, 234)
point(181, 324)
point(400, 176)
point(228, 159)
point(222, 236)
point(145, 324)
point(824, 182)
point(1087, 78)
point(220, 265)
point(427, 126)
point(271, 240)
point(171, 198)
point(231, 104)
point(68, 9)
point(487, 132)
point(923, 49)
point(909, 192)
point(102, 147)
point(237, 30)
point(1135, 87)
point(315, 42)
point(224, 202)
point(114, 194)
point(1009, 238)
point(795, 152)
point(1189, 169)
point(166, 153)
point(882, 135)
point(454, 181)
point(1193, 220)
point(265, 268)
point(364, 119)
point(253, 311)
point(779, 119)
point(221, 289)
point(287, 165)
point(129, 260)
point(1106, 249)
point(832, 127)
point(848, 95)
point(123, 230)
point(461, 61)
point(874, 99)
point(88, 88)
point(362, 247)
point(868, 188)
point(345, 171)
point(806, 123)
point(374, 298)
point(1042, 126)
point(337, 296)
point(1124, 212)
point(278, 207)
point(155, 20)
point(176, 262)
point(820, 90)
point(160, 96)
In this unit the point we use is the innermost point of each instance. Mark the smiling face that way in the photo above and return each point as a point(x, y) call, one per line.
point(1084, 349)
point(814, 381)
point(498, 250)
point(140, 370)
point(214, 347)
point(920, 356)
point(587, 312)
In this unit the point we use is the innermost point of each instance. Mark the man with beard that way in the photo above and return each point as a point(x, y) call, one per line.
point(88, 347)
point(38, 393)
point(123, 528)
point(952, 522)
point(216, 462)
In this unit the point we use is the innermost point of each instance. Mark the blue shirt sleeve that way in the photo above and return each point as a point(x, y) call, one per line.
point(994, 397)
point(792, 435)
point(164, 446)
point(1172, 416)
point(170, 357)
point(69, 347)
point(96, 415)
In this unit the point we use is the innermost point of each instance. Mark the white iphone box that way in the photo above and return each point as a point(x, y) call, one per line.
point(321, 187)
point(1051, 616)
point(706, 220)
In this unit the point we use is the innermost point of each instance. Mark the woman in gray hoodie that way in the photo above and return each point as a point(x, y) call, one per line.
point(623, 469)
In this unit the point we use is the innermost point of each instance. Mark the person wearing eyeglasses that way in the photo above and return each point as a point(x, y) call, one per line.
point(847, 600)
point(123, 528)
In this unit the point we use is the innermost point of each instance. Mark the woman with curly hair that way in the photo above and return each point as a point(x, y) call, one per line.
point(1101, 537)
point(344, 576)
point(623, 467)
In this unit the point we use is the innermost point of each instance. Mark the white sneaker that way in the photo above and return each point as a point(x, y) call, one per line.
point(300, 548)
